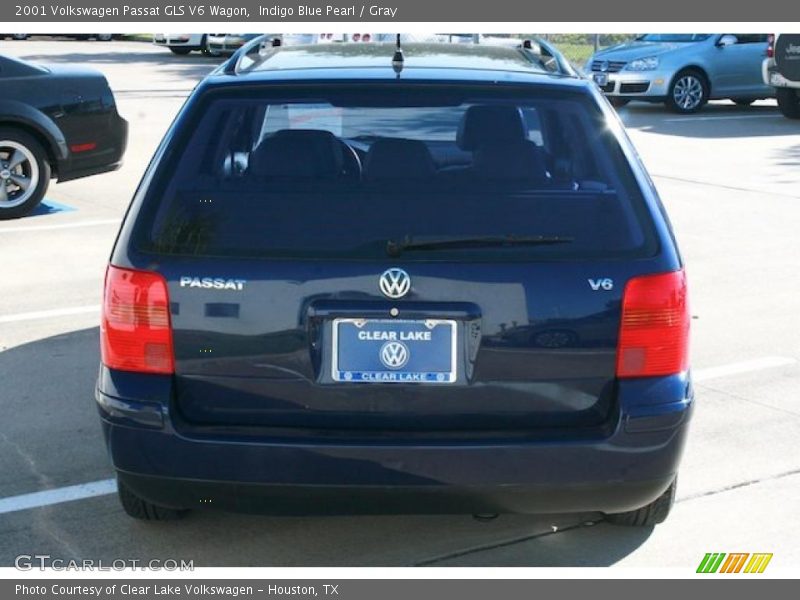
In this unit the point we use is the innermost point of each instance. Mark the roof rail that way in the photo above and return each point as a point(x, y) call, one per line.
point(547, 55)
point(257, 46)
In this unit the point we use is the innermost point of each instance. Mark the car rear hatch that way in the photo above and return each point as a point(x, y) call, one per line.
point(534, 345)
point(327, 274)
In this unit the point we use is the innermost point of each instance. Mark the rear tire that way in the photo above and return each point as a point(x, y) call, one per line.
point(22, 159)
point(654, 513)
point(180, 51)
point(206, 50)
point(789, 102)
point(141, 509)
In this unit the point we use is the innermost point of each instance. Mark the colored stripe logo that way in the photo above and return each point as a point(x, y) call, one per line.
point(734, 562)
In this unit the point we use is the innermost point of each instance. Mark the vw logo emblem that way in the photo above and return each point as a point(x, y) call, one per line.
point(394, 283)
point(394, 355)
point(604, 66)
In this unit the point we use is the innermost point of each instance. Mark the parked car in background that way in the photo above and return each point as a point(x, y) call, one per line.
point(228, 43)
point(448, 38)
point(781, 70)
point(100, 37)
point(56, 122)
point(298, 39)
point(683, 70)
point(438, 284)
point(182, 43)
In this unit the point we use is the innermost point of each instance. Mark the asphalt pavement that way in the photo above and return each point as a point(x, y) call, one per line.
point(730, 179)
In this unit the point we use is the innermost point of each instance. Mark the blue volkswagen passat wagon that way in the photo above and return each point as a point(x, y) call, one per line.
point(362, 280)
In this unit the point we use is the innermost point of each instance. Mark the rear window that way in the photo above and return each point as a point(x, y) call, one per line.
point(357, 172)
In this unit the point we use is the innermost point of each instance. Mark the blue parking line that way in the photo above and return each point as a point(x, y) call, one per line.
point(49, 207)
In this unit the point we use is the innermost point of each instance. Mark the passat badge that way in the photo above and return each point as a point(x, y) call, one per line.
point(394, 283)
point(213, 283)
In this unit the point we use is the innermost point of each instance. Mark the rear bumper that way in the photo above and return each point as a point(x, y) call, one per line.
point(618, 472)
point(771, 76)
point(395, 499)
point(108, 157)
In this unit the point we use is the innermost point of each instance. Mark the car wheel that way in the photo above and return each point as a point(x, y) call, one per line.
point(654, 513)
point(24, 173)
point(206, 50)
point(789, 102)
point(688, 92)
point(141, 509)
point(180, 51)
point(104, 37)
point(617, 102)
point(19, 36)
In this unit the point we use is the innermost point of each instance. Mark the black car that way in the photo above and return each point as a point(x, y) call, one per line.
point(312, 301)
point(56, 122)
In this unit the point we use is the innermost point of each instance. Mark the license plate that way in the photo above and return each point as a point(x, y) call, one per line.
point(394, 351)
point(601, 79)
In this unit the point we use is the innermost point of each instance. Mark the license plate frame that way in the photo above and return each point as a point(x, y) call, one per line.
point(340, 372)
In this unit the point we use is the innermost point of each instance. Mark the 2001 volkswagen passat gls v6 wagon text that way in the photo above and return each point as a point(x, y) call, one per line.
point(367, 280)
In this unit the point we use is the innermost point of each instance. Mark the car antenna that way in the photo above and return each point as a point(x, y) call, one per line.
point(397, 59)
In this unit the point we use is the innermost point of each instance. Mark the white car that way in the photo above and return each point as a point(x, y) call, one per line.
point(781, 70)
point(182, 43)
point(323, 38)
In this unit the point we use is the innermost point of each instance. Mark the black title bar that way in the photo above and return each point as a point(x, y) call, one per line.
point(468, 11)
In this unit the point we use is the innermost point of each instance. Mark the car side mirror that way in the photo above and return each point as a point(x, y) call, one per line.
point(727, 40)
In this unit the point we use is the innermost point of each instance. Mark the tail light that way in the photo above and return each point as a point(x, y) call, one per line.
point(366, 37)
point(654, 331)
point(136, 334)
point(771, 45)
point(356, 37)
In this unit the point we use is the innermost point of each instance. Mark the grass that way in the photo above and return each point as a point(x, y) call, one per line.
point(137, 37)
point(577, 54)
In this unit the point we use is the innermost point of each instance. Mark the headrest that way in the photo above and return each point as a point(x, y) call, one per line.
point(391, 158)
point(491, 125)
point(299, 153)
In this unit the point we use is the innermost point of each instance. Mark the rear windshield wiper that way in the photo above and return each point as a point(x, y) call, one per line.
point(394, 248)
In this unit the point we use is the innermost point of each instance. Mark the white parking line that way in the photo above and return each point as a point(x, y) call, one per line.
point(109, 486)
point(746, 366)
point(25, 228)
point(58, 495)
point(47, 314)
point(725, 118)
